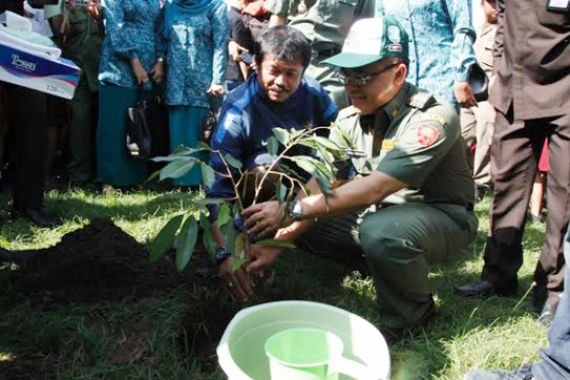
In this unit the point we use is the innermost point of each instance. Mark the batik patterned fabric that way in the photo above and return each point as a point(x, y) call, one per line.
point(197, 52)
point(133, 30)
point(441, 49)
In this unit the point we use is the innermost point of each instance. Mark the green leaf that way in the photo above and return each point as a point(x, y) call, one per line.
point(153, 176)
point(164, 158)
point(327, 156)
point(229, 233)
point(324, 184)
point(239, 246)
point(238, 263)
point(281, 192)
point(323, 141)
point(203, 145)
point(232, 161)
point(223, 215)
point(163, 241)
point(345, 138)
point(186, 243)
point(272, 146)
point(309, 141)
point(177, 169)
point(182, 150)
point(208, 237)
point(296, 133)
point(287, 170)
point(209, 201)
point(208, 174)
point(282, 135)
point(307, 163)
point(276, 243)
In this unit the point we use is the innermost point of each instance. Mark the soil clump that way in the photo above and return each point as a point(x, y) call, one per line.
point(99, 262)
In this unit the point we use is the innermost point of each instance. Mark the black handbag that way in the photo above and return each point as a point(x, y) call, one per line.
point(210, 121)
point(138, 131)
point(479, 82)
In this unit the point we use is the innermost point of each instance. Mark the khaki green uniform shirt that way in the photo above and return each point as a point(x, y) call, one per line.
point(83, 45)
point(325, 23)
point(415, 139)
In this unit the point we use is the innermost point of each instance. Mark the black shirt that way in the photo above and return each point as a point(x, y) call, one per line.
point(16, 6)
point(239, 33)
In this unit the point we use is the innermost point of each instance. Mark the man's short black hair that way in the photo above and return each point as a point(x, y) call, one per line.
point(285, 43)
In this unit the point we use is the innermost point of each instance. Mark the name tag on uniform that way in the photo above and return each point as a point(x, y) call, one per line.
point(558, 5)
point(389, 144)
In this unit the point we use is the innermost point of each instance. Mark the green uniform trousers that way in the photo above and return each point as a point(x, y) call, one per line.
point(81, 165)
point(397, 243)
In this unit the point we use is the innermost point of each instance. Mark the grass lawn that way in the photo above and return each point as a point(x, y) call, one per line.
point(140, 338)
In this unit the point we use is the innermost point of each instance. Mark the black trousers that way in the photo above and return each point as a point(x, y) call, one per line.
point(514, 156)
point(27, 115)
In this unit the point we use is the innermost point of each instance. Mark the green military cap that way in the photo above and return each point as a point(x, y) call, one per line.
point(370, 40)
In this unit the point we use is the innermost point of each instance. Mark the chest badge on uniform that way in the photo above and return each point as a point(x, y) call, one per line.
point(389, 144)
point(427, 135)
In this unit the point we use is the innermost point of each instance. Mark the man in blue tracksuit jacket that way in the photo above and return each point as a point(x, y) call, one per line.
point(278, 94)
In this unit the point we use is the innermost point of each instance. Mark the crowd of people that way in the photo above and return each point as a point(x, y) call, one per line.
point(396, 77)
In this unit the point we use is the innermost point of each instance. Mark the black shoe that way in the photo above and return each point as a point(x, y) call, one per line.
point(523, 373)
point(481, 192)
point(36, 216)
point(535, 220)
point(478, 289)
point(393, 335)
point(547, 313)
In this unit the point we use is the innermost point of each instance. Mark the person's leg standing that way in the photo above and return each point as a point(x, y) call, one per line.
point(514, 156)
point(468, 123)
point(81, 164)
point(114, 165)
point(485, 115)
point(549, 274)
point(399, 243)
point(185, 126)
point(30, 134)
point(555, 363)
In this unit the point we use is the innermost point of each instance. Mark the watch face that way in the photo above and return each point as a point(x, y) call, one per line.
point(295, 210)
point(222, 254)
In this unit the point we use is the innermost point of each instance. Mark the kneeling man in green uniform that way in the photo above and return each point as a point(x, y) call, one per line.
point(410, 200)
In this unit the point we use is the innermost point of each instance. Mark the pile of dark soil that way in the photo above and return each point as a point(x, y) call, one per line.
point(99, 262)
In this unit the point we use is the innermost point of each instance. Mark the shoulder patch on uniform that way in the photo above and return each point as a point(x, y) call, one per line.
point(427, 135)
point(420, 100)
point(435, 117)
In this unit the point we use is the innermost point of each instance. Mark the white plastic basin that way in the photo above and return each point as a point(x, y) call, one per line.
point(241, 351)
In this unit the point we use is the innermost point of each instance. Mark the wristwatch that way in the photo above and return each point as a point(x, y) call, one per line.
point(221, 255)
point(295, 210)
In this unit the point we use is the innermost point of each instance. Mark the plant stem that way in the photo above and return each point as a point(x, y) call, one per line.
point(280, 156)
point(231, 177)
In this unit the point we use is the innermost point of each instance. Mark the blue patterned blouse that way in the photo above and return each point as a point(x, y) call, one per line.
point(133, 30)
point(197, 54)
point(441, 49)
